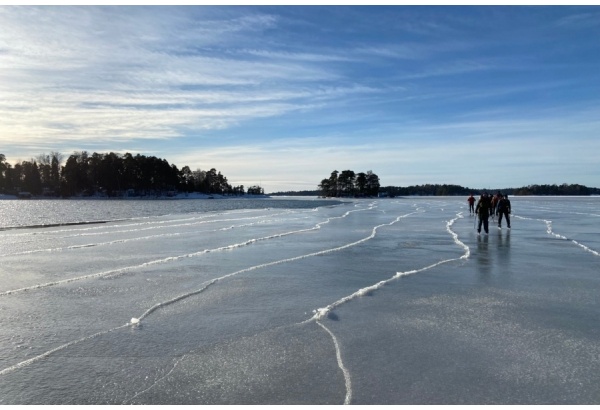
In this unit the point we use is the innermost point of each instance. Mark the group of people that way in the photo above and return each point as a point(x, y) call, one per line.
point(487, 206)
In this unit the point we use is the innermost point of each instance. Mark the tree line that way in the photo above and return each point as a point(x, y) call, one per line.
point(451, 190)
point(457, 190)
point(427, 190)
point(564, 189)
point(348, 183)
point(109, 174)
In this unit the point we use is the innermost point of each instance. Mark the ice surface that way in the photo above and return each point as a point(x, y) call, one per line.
point(297, 301)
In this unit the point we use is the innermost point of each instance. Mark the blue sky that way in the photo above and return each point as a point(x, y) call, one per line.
point(281, 96)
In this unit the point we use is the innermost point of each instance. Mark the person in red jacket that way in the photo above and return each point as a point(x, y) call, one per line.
point(471, 201)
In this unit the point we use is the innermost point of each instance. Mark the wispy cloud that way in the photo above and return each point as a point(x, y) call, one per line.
point(253, 90)
point(579, 20)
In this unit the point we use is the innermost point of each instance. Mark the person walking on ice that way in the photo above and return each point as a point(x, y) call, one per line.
point(494, 202)
point(503, 209)
point(483, 210)
point(471, 201)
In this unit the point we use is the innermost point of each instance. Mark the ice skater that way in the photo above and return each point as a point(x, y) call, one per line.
point(471, 201)
point(483, 210)
point(503, 209)
point(494, 204)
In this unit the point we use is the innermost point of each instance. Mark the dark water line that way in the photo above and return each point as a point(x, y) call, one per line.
point(9, 228)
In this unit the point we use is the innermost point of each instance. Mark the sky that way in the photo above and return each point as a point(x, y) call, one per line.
point(281, 96)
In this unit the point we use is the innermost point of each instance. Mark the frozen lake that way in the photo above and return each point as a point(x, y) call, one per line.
point(298, 301)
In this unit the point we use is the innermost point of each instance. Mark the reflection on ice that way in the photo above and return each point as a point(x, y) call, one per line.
point(270, 306)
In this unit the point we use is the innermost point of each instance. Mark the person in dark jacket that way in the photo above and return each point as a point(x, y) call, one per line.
point(504, 209)
point(483, 211)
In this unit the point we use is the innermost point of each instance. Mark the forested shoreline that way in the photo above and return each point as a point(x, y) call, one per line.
point(348, 183)
point(457, 190)
point(109, 175)
point(451, 190)
point(118, 175)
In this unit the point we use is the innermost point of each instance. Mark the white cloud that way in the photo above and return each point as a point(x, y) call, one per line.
point(476, 154)
point(125, 73)
point(417, 100)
